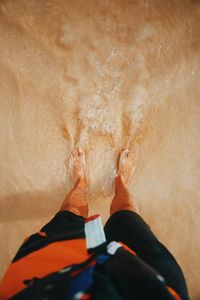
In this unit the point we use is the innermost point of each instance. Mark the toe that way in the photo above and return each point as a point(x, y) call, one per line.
point(75, 152)
point(125, 153)
point(80, 151)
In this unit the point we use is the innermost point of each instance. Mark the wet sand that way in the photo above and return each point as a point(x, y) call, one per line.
point(106, 75)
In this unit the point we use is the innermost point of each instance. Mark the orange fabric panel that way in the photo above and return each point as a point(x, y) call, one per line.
point(42, 233)
point(173, 293)
point(127, 248)
point(41, 263)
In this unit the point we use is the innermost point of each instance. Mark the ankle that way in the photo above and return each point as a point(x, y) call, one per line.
point(81, 183)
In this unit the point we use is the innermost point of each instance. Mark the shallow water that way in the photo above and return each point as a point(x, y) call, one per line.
point(106, 75)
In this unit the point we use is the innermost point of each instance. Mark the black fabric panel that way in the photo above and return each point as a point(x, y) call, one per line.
point(51, 287)
point(125, 276)
point(139, 280)
point(103, 288)
point(129, 228)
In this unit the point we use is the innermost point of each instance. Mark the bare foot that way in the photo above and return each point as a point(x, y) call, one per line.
point(78, 164)
point(127, 164)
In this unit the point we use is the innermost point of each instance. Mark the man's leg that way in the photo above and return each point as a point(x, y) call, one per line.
point(76, 201)
point(122, 199)
point(127, 226)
